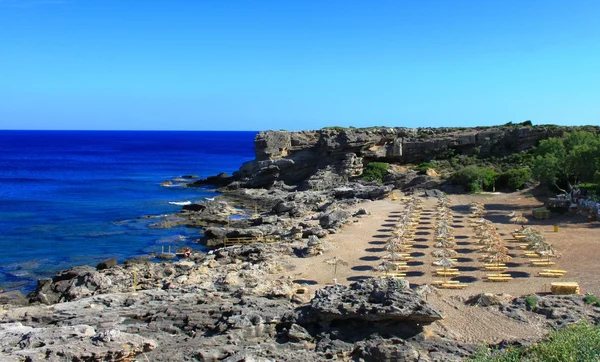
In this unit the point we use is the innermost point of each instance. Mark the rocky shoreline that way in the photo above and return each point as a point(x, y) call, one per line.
point(231, 303)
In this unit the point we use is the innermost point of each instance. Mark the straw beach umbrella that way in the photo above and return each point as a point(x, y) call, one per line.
point(519, 220)
point(335, 261)
point(445, 263)
point(386, 267)
point(497, 258)
point(445, 244)
point(444, 253)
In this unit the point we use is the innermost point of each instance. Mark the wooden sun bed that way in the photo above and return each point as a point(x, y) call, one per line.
point(454, 286)
point(496, 264)
point(497, 275)
point(496, 268)
point(550, 275)
point(542, 263)
point(440, 282)
point(499, 279)
point(447, 270)
point(447, 274)
point(531, 255)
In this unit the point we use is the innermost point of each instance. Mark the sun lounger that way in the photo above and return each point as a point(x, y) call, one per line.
point(542, 263)
point(453, 286)
point(550, 275)
point(497, 275)
point(496, 268)
point(447, 274)
point(439, 282)
point(397, 275)
point(447, 270)
point(497, 264)
point(499, 279)
point(532, 255)
point(557, 271)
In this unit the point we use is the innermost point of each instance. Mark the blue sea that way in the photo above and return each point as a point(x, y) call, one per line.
point(77, 197)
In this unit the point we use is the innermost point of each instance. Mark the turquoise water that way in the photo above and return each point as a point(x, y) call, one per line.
point(75, 197)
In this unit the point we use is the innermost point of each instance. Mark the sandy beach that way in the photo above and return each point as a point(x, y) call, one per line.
point(361, 242)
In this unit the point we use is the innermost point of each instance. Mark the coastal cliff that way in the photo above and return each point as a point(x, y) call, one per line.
point(328, 157)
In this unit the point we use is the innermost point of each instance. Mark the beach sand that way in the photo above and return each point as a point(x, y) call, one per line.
point(361, 242)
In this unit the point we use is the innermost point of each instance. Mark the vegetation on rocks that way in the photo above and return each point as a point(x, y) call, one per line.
point(531, 301)
point(475, 178)
point(514, 179)
point(375, 171)
point(579, 342)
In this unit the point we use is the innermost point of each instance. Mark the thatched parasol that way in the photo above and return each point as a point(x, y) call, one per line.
point(514, 214)
point(386, 267)
point(445, 263)
point(493, 248)
point(335, 261)
point(444, 253)
point(497, 258)
point(445, 244)
point(519, 220)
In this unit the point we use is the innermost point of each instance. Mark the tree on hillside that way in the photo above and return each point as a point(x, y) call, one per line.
point(571, 160)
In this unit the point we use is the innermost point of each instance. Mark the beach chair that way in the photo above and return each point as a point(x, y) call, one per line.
point(447, 274)
point(499, 279)
point(497, 275)
point(542, 263)
point(496, 268)
point(453, 285)
point(440, 282)
point(549, 275)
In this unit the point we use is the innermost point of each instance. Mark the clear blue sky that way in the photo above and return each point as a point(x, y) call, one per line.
point(254, 65)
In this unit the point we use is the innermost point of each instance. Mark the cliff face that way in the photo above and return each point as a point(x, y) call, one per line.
point(326, 157)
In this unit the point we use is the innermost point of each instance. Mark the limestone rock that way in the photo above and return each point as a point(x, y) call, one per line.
point(371, 300)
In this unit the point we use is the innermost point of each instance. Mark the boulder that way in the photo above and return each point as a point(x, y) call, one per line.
point(334, 219)
point(284, 207)
point(108, 263)
point(194, 207)
point(372, 300)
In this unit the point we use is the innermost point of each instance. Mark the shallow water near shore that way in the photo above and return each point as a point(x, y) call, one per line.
point(76, 197)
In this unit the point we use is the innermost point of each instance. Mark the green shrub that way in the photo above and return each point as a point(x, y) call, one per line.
point(375, 171)
point(423, 167)
point(531, 301)
point(475, 178)
point(591, 299)
point(514, 179)
point(577, 343)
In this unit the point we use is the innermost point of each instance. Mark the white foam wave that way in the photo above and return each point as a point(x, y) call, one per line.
point(180, 203)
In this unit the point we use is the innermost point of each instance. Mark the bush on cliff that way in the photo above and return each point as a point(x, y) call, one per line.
point(375, 171)
point(423, 167)
point(514, 179)
point(475, 178)
point(578, 342)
